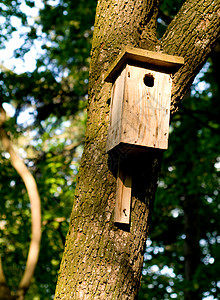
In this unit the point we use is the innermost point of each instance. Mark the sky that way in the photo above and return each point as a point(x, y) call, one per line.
point(29, 60)
point(28, 63)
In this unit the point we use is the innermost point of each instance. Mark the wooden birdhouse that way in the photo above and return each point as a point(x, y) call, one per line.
point(140, 107)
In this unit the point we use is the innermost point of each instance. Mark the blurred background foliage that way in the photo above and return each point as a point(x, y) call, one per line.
point(46, 109)
point(182, 253)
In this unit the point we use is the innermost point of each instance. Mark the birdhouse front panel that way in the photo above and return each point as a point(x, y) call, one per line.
point(140, 108)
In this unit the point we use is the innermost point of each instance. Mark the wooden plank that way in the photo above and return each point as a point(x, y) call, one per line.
point(114, 130)
point(170, 62)
point(146, 110)
point(123, 197)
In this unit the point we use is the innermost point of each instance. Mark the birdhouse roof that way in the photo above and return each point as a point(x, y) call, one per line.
point(143, 57)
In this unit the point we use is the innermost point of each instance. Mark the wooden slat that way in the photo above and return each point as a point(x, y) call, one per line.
point(123, 197)
point(170, 62)
point(114, 131)
point(146, 110)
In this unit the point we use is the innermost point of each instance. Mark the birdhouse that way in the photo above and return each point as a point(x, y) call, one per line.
point(140, 103)
point(140, 106)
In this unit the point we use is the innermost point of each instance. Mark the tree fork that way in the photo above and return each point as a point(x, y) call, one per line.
point(101, 260)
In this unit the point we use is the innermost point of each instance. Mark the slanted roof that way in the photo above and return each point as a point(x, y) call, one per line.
point(136, 55)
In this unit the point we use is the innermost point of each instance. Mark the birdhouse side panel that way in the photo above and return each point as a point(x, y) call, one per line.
point(116, 110)
point(146, 108)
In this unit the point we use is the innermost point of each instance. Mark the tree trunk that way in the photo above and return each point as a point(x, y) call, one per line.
point(102, 260)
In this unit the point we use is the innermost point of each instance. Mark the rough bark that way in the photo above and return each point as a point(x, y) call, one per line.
point(102, 260)
point(192, 34)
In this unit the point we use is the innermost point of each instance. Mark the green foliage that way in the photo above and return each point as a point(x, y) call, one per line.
point(167, 10)
point(190, 170)
point(11, 11)
point(60, 80)
point(56, 178)
point(51, 141)
point(55, 93)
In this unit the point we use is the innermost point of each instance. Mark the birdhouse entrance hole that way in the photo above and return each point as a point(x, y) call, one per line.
point(149, 80)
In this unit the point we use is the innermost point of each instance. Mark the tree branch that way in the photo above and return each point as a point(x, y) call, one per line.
point(4, 289)
point(34, 197)
point(215, 56)
point(191, 113)
point(192, 34)
point(2, 275)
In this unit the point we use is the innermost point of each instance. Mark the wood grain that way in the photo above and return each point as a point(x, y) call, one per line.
point(173, 63)
point(123, 197)
point(140, 114)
